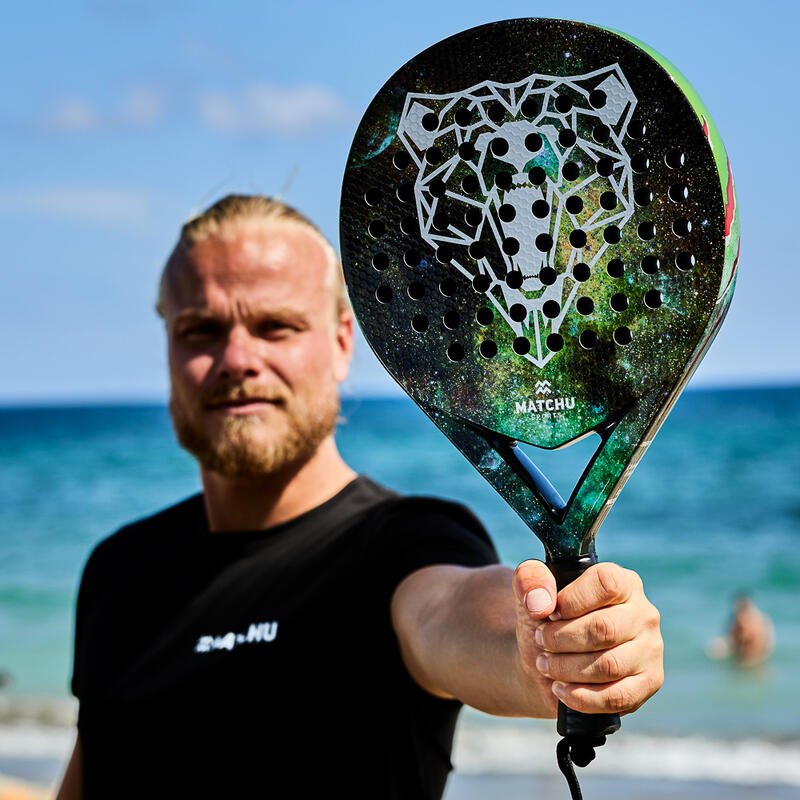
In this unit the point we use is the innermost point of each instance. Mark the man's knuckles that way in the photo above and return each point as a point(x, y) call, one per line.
point(601, 585)
point(611, 667)
point(609, 581)
point(603, 631)
point(604, 667)
point(595, 631)
point(620, 697)
point(617, 584)
point(652, 617)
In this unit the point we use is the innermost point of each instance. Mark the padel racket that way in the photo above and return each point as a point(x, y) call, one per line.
point(540, 236)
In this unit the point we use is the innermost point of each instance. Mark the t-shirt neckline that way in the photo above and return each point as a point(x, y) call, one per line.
point(301, 519)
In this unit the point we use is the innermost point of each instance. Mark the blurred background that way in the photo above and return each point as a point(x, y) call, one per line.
point(121, 119)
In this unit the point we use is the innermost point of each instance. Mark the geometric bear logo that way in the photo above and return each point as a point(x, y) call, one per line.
point(522, 187)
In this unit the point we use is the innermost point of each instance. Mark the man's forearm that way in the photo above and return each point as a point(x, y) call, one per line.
point(460, 640)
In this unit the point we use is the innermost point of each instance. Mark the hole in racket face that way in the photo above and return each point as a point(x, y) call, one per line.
point(455, 352)
point(487, 348)
point(419, 323)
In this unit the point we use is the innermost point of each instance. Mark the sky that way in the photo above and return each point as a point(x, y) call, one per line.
point(121, 119)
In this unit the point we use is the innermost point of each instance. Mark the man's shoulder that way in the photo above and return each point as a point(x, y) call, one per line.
point(407, 532)
point(417, 517)
point(155, 530)
point(408, 507)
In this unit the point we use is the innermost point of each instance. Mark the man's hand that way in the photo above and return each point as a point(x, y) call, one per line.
point(463, 633)
point(596, 645)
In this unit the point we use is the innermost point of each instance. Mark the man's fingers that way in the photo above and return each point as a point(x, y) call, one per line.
point(601, 585)
point(596, 644)
point(598, 630)
point(535, 591)
point(617, 697)
point(603, 666)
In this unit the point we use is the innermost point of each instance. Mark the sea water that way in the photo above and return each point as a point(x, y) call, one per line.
point(713, 509)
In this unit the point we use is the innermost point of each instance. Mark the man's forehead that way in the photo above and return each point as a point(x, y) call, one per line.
point(248, 256)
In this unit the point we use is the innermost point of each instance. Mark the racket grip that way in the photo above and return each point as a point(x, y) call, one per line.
point(577, 724)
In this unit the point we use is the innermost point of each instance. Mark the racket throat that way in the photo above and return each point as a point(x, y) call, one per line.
point(532, 476)
point(547, 494)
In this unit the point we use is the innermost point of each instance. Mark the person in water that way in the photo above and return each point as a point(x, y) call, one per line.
point(297, 629)
point(750, 638)
point(751, 633)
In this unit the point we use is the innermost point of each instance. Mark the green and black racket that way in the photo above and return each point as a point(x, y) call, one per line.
point(540, 236)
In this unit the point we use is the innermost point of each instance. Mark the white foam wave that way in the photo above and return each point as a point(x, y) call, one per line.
point(37, 727)
point(31, 740)
point(524, 748)
point(514, 748)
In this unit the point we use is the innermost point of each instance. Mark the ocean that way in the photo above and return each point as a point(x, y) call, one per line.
point(713, 509)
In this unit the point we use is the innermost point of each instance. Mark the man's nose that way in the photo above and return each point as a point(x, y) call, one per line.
point(240, 358)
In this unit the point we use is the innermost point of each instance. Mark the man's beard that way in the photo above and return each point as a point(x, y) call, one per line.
point(237, 451)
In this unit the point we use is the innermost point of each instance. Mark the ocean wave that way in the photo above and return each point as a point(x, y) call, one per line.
point(35, 741)
point(514, 748)
point(492, 746)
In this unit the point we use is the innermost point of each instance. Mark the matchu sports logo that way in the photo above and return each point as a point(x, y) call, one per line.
point(540, 405)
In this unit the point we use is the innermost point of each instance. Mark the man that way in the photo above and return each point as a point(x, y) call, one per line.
point(296, 628)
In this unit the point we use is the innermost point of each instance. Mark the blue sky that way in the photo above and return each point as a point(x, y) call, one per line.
point(119, 119)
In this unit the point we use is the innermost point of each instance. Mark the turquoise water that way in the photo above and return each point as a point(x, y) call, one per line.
point(714, 508)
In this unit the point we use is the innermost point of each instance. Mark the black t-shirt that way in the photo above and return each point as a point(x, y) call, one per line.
point(263, 664)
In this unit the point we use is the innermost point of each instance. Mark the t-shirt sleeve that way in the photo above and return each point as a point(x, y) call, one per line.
point(87, 589)
point(416, 532)
point(100, 572)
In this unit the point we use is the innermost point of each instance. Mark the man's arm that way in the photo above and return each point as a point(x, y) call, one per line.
point(72, 782)
point(507, 643)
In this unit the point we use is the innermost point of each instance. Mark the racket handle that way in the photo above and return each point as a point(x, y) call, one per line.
point(576, 725)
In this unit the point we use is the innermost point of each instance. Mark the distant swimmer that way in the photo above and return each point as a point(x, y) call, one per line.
point(750, 638)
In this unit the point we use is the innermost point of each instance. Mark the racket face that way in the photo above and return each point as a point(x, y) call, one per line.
point(539, 236)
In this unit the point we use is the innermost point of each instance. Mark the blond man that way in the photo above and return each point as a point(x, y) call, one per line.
point(297, 628)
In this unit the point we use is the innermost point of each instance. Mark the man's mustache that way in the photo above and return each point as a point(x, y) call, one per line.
point(242, 393)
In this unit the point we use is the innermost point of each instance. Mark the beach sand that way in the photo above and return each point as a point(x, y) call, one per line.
point(12, 788)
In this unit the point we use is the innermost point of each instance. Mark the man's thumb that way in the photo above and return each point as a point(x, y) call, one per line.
point(535, 590)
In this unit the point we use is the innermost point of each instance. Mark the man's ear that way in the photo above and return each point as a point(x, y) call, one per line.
point(343, 344)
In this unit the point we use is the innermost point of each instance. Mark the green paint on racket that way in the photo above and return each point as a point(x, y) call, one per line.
point(539, 234)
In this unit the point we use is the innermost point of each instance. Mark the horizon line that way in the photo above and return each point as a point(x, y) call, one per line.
point(129, 400)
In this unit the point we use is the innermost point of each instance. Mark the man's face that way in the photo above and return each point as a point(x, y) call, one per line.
point(256, 349)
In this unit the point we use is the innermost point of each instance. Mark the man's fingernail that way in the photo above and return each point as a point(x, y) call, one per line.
point(539, 636)
point(559, 689)
point(555, 616)
point(538, 600)
point(541, 664)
